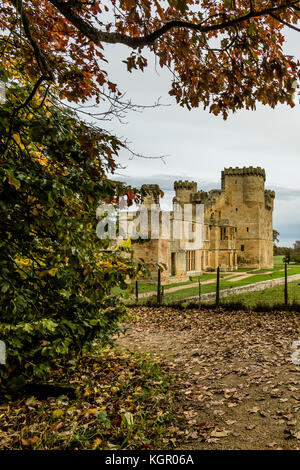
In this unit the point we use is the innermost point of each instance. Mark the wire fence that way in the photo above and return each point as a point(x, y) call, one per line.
point(249, 289)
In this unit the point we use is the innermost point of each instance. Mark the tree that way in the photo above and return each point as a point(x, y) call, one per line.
point(225, 55)
point(275, 239)
point(56, 276)
point(276, 236)
point(287, 255)
point(295, 252)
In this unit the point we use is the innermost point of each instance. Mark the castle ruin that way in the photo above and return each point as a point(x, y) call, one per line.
point(238, 229)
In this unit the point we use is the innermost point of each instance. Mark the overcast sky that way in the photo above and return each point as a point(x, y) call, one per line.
point(199, 145)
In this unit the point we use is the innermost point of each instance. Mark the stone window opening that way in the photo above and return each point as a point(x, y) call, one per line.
point(242, 247)
point(190, 260)
point(173, 264)
point(192, 232)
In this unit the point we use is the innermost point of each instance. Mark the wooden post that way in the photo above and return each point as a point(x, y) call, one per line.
point(136, 290)
point(286, 300)
point(162, 293)
point(218, 287)
point(158, 287)
point(199, 291)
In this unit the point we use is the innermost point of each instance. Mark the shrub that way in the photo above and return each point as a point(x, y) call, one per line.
point(56, 275)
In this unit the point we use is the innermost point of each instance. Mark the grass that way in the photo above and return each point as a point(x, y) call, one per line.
point(268, 297)
point(278, 261)
point(226, 284)
point(226, 281)
point(256, 276)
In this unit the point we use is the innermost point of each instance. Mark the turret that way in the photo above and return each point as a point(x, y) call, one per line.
point(150, 194)
point(184, 191)
point(269, 199)
point(245, 185)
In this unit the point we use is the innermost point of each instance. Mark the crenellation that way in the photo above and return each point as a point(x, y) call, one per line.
point(269, 199)
point(150, 194)
point(254, 171)
point(189, 185)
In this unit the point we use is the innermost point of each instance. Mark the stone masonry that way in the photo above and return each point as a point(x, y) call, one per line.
point(238, 229)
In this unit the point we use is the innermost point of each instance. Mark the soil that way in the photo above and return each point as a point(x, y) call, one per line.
point(233, 381)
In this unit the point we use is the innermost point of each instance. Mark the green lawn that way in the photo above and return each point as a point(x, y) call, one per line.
point(278, 261)
point(268, 297)
point(226, 281)
point(227, 284)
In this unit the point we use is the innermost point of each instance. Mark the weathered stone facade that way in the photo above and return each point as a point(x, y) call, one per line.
point(238, 229)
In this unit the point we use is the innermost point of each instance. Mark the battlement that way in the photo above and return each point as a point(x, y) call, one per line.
point(199, 196)
point(245, 171)
point(150, 193)
point(269, 199)
point(187, 185)
point(150, 189)
point(237, 231)
point(269, 193)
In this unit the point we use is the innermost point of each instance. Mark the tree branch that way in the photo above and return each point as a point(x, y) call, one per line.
point(285, 22)
point(42, 63)
point(22, 105)
point(98, 36)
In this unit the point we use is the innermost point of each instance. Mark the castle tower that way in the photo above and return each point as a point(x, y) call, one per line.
point(184, 191)
point(155, 250)
point(250, 208)
point(150, 194)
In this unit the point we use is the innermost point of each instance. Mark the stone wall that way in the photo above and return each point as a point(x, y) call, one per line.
point(238, 226)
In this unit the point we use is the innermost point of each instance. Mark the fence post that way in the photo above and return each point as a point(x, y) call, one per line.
point(158, 287)
point(199, 291)
point(218, 287)
point(286, 300)
point(136, 290)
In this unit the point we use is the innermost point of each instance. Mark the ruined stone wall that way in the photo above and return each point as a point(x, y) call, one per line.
point(238, 226)
point(154, 252)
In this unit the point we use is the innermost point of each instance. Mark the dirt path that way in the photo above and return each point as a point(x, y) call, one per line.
point(235, 386)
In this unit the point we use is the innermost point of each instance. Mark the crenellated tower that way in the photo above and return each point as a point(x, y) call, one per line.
point(250, 207)
point(184, 191)
point(237, 229)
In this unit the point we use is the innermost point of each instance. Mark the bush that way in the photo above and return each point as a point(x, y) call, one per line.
point(55, 277)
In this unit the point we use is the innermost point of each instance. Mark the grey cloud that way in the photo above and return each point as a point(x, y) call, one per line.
point(165, 182)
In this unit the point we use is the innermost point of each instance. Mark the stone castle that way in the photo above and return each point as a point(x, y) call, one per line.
point(237, 231)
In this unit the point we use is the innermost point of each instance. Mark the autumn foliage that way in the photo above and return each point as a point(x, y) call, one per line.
point(56, 276)
point(56, 280)
point(225, 55)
